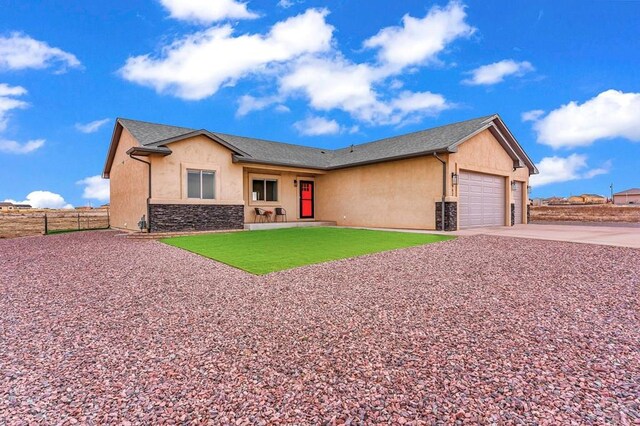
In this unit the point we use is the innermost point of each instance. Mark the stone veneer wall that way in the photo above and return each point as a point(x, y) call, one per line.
point(195, 217)
point(450, 215)
point(513, 214)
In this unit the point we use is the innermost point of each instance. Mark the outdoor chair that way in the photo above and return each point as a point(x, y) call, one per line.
point(261, 215)
point(281, 212)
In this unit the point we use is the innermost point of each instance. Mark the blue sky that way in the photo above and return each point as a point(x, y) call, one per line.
point(563, 76)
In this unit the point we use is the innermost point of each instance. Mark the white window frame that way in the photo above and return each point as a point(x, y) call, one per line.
point(201, 171)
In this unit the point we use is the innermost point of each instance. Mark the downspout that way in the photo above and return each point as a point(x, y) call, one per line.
point(444, 187)
point(148, 163)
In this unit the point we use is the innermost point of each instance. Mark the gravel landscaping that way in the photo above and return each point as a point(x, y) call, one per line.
point(96, 329)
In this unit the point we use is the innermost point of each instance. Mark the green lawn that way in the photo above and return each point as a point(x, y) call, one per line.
point(261, 252)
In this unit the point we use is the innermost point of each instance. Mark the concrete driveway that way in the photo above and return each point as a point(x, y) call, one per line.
point(619, 236)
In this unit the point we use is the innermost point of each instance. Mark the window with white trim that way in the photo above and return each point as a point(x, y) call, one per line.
point(201, 184)
point(264, 189)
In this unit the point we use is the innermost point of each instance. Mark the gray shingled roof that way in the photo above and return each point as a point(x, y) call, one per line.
point(150, 133)
point(439, 139)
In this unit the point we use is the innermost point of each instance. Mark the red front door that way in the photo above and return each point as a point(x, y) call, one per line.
point(306, 199)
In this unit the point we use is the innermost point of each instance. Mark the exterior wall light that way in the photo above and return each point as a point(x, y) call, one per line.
point(295, 183)
point(454, 178)
point(514, 185)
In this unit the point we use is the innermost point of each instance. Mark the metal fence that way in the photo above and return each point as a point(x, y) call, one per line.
point(38, 223)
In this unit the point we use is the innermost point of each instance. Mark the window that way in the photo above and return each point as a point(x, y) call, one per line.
point(200, 184)
point(265, 189)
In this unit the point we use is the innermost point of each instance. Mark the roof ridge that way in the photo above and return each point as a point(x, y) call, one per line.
point(154, 124)
point(419, 131)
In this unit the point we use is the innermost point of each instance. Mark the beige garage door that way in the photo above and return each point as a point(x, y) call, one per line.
point(517, 200)
point(482, 200)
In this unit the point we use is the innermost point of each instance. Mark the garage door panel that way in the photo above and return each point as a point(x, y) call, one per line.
point(482, 199)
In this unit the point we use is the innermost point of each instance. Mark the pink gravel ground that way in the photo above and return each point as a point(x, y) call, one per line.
point(98, 329)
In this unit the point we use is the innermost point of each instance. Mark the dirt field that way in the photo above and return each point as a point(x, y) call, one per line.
point(594, 213)
point(33, 222)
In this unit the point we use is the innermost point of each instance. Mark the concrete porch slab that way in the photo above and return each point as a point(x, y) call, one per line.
point(279, 225)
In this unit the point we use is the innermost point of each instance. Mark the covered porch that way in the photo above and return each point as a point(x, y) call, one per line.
point(280, 197)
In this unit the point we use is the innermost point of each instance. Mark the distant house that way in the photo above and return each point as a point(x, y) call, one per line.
point(22, 206)
point(6, 206)
point(575, 199)
point(593, 199)
point(552, 201)
point(630, 196)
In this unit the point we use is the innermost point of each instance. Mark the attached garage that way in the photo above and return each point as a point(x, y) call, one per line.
point(482, 200)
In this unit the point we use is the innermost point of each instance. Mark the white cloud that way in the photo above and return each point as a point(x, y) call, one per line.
point(335, 83)
point(6, 90)
point(13, 147)
point(496, 72)
point(426, 103)
point(95, 188)
point(7, 102)
point(282, 108)
point(419, 41)
point(248, 103)
point(19, 51)
point(611, 114)
point(44, 200)
point(92, 126)
point(286, 4)
point(532, 115)
point(339, 84)
point(207, 11)
point(196, 66)
point(315, 126)
point(562, 169)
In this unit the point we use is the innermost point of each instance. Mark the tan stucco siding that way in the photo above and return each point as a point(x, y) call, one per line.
point(483, 153)
point(128, 186)
point(169, 174)
point(395, 194)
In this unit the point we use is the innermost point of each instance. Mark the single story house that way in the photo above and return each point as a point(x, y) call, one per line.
point(587, 199)
point(630, 196)
point(594, 199)
point(188, 179)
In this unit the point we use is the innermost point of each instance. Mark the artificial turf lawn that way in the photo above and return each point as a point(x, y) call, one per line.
point(261, 252)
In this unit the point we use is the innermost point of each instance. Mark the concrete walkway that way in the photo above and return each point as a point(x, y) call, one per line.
point(604, 235)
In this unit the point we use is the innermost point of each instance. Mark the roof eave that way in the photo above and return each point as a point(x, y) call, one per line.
point(115, 138)
point(201, 132)
point(145, 152)
point(394, 158)
point(239, 159)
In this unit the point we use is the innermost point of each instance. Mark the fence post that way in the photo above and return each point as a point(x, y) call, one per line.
point(108, 218)
point(78, 220)
point(46, 227)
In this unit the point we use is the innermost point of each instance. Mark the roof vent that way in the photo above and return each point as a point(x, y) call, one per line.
point(322, 152)
point(351, 148)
